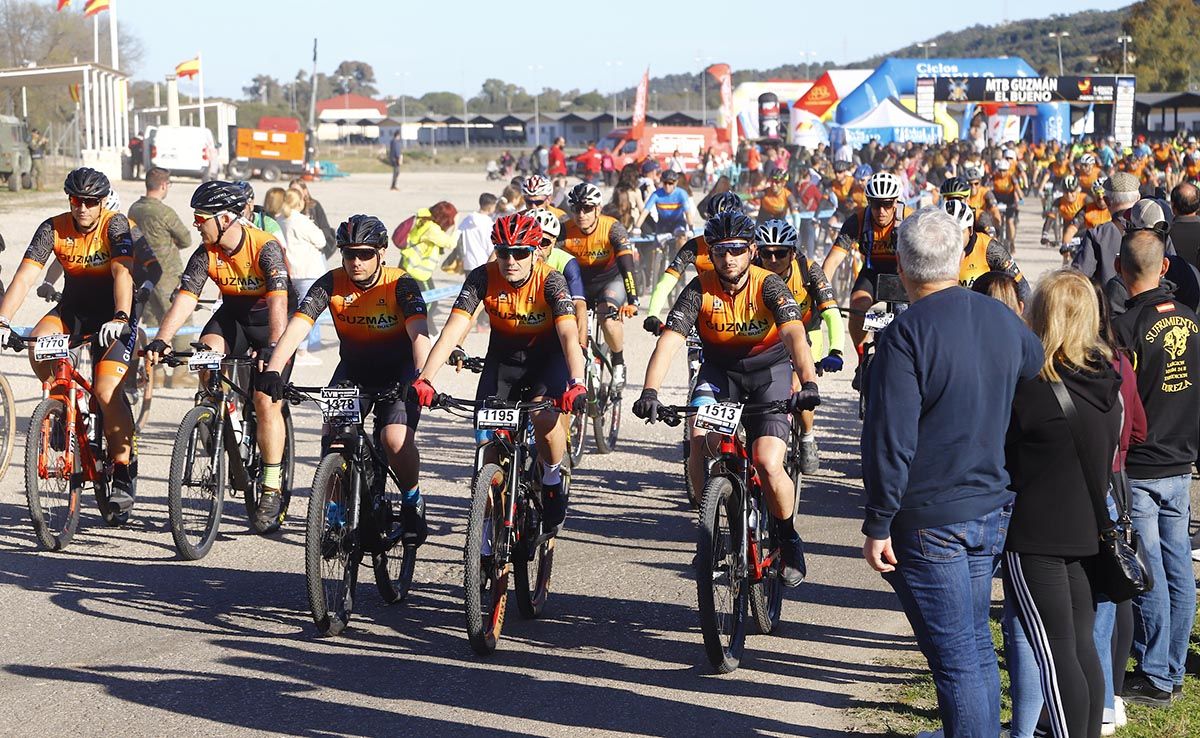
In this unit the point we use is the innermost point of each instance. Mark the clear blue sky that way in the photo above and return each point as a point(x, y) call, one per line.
point(603, 45)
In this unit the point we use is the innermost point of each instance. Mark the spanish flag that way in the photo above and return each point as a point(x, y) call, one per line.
point(189, 68)
point(94, 6)
point(75, 92)
point(62, 4)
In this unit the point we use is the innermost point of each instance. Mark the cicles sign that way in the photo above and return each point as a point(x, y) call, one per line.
point(1026, 90)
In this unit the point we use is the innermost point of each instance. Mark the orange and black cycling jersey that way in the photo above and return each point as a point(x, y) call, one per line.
point(1192, 169)
point(86, 258)
point(877, 244)
point(1087, 179)
point(775, 205)
point(811, 289)
point(600, 252)
point(739, 332)
point(1096, 213)
point(858, 195)
point(985, 254)
point(1069, 206)
point(245, 277)
point(1060, 169)
point(694, 252)
point(841, 188)
point(371, 322)
point(1004, 186)
point(523, 317)
point(981, 199)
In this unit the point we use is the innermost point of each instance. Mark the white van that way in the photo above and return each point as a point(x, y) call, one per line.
point(185, 150)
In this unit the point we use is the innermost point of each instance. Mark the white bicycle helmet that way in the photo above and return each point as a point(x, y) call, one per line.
point(883, 186)
point(1088, 160)
point(549, 222)
point(535, 185)
point(972, 173)
point(584, 195)
point(961, 212)
point(112, 203)
point(1003, 165)
point(776, 232)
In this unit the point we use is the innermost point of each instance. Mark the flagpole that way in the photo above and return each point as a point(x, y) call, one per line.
point(95, 39)
point(112, 32)
point(200, 79)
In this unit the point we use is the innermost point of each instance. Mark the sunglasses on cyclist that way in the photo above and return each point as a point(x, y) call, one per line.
point(359, 254)
point(520, 253)
point(882, 204)
point(87, 202)
point(201, 217)
point(730, 248)
point(778, 253)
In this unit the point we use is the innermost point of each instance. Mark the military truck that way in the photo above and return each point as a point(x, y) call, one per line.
point(16, 159)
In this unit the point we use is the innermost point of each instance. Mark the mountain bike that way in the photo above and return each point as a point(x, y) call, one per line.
point(217, 444)
point(504, 531)
point(353, 510)
point(604, 396)
point(738, 558)
point(890, 292)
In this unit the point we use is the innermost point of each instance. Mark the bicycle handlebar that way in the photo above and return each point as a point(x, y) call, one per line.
point(296, 394)
point(673, 415)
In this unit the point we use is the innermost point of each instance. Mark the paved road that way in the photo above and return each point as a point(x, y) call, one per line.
point(118, 634)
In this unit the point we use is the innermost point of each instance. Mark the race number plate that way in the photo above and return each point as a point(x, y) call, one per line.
point(496, 417)
point(52, 347)
point(720, 417)
point(340, 404)
point(205, 360)
point(1002, 207)
point(877, 320)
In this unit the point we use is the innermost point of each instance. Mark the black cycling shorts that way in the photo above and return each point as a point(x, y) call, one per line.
point(606, 289)
point(544, 375)
point(242, 332)
point(867, 280)
point(718, 384)
point(394, 412)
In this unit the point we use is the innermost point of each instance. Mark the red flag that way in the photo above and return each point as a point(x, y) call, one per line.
point(62, 4)
point(639, 106)
point(189, 68)
point(91, 7)
point(728, 121)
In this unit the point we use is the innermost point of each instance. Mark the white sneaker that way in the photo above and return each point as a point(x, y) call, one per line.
point(1196, 554)
point(1108, 729)
point(1119, 709)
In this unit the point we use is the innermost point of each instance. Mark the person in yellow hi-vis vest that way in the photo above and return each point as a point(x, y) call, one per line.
point(428, 242)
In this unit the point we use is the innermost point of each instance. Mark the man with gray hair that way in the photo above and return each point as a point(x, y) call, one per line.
point(939, 397)
point(1097, 254)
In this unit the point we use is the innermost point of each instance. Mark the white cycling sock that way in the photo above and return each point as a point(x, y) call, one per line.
point(551, 473)
point(810, 436)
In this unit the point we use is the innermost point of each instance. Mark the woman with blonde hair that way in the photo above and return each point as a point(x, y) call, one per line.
point(1057, 463)
point(305, 260)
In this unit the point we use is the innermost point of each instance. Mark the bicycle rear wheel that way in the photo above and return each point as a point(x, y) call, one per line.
point(766, 594)
point(287, 467)
point(721, 590)
point(51, 488)
point(331, 551)
point(196, 483)
point(606, 423)
point(485, 580)
point(394, 566)
point(532, 569)
point(139, 388)
point(8, 425)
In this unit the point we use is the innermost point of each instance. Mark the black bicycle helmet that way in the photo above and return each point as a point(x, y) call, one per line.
point(955, 188)
point(87, 182)
point(218, 197)
point(247, 188)
point(670, 176)
point(731, 225)
point(723, 202)
point(362, 230)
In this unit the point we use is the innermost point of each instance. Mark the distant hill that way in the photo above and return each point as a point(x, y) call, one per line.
point(1091, 46)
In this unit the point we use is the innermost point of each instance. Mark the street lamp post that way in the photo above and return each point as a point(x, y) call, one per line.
point(926, 46)
point(1059, 36)
point(537, 111)
point(403, 110)
point(1125, 39)
point(613, 65)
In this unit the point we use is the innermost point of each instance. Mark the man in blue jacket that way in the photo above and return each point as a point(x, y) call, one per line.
point(938, 403)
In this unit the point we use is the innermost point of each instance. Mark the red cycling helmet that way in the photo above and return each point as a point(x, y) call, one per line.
point(517, 229)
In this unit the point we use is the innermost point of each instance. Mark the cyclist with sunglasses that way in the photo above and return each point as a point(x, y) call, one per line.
point(381, 322)
point(871, 230)
point(533, 352)
point(777, 253)
point(982, 253)
point(670, 202)
point(776, 201)
point(95, 249)
point(693, 253)
point(536, 191)
point(601, 245)
point(561, 261)
point(249, 269)
point(749, 325)
point(982, 201)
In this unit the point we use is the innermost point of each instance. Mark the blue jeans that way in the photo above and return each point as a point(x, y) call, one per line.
point(944, 582)
point(1162, 618)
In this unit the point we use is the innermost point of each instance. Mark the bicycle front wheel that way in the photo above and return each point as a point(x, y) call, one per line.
point(721, 590)
point(52, 466)
point(485, 577)
point(577, 437)
point(606, 423)
point(8, 425)
point(196, 483)
point(766, 594)
point(331, 551)
point(139, 386)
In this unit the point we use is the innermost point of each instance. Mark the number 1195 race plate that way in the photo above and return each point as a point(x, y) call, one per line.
point(496, 417)
point(340, 404)
point(720, 417)
point(51, 347)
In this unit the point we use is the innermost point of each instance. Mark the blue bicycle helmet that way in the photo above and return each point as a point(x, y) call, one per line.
point(863, 171)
